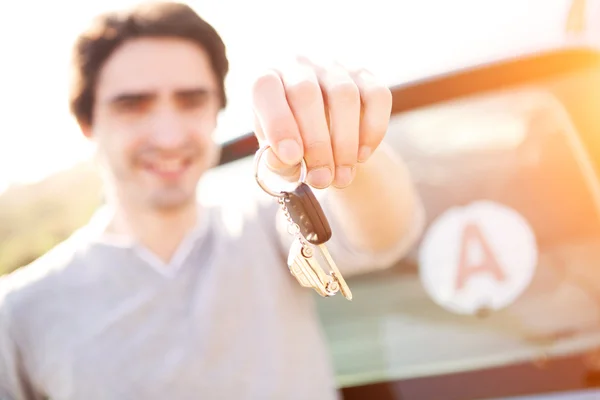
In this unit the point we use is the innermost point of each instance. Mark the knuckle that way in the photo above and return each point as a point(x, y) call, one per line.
point(318, 153)
point(378, 95)
point(303, 91)
point(265, 81)
point(318, 145)
point(344, 91)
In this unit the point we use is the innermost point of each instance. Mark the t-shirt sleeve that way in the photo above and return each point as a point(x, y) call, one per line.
point(352, 260)
point(14, 383)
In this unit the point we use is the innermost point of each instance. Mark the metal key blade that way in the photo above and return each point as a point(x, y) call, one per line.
point(307, 271)
point(337, 275)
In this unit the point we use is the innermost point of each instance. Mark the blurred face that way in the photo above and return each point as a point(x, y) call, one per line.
point(155, 110)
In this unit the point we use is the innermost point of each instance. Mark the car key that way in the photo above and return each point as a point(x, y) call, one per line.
point(309, 226)
point(304, 210)
point(307, 271)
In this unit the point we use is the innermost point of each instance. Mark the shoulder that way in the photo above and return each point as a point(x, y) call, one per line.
point(35, 283)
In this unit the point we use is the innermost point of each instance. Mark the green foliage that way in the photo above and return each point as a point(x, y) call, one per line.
point(34, 218)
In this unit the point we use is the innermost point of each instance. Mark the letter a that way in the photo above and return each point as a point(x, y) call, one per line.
point(488, 264)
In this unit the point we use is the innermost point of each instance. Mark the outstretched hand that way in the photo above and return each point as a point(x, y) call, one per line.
point(331, 116)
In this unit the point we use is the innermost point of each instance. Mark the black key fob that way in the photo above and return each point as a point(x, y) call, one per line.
point(305, 210)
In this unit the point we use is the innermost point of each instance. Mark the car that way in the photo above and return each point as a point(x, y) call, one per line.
point(500, 296)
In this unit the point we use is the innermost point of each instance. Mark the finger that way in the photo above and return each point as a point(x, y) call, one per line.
point(376, 111)
point(306, 102)
point(342, 97)
point(275, 121)
point(272, 162)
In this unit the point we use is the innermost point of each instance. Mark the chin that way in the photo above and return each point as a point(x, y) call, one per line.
point(171, 202)
point(171, 196)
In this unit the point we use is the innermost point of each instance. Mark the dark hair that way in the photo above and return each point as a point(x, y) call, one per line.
point(110, 30)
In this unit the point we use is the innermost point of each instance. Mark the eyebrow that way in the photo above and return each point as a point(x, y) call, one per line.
point(144, 96)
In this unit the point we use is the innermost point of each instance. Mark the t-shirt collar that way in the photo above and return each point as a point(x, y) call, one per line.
point(95, 232)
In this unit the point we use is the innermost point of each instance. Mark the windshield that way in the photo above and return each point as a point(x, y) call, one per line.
point(512, 156)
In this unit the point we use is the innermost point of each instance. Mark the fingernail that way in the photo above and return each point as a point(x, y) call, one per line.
point(320, 177)
point(289, 151)
point(364, 153)
point(343, 176)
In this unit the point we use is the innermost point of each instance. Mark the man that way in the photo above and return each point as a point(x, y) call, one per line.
point(158, 297)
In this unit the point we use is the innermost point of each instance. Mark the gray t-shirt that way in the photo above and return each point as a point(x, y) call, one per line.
point(99, 317)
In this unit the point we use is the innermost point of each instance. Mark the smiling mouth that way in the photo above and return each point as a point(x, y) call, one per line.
point(168, 168)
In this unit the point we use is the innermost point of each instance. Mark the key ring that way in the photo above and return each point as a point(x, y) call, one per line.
point(260, 182)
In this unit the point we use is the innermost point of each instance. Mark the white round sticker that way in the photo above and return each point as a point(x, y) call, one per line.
point(482, 256)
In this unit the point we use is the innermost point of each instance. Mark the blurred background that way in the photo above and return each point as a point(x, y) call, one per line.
point(397, 40)
point(522, 138)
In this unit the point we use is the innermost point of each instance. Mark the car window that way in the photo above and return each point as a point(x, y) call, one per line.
point(513, 163)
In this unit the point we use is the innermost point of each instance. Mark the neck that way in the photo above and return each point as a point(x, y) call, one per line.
point(161, 232)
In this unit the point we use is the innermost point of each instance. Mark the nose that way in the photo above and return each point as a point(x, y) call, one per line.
point(167, 130)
